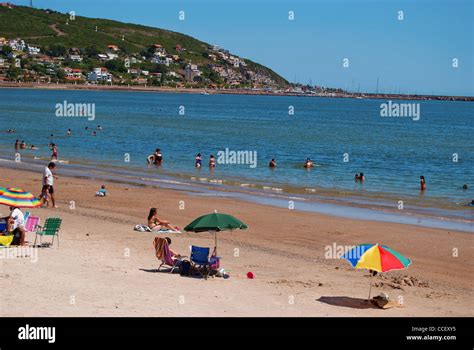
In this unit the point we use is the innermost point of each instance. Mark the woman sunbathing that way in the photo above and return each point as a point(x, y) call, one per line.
point(155, 223)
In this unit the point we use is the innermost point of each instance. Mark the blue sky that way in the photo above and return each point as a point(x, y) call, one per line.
point(413, 55)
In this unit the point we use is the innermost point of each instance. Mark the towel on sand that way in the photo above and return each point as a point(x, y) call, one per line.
point(6, 240)
point(144, 228)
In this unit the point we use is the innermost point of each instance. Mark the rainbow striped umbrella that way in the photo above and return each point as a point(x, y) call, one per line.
point(376, 257)
point(16, 197)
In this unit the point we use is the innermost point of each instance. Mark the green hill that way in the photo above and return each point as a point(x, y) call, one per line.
point(47, 28)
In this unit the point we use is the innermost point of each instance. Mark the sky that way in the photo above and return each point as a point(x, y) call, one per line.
point(412, 55)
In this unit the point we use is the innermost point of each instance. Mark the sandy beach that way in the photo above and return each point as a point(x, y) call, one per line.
point(104, 268)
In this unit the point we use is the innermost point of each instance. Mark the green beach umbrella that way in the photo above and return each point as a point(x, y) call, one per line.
point(214, 223)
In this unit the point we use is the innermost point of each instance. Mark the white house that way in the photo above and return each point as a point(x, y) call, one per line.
point(17, 44)
point(33, 50)
point(75, 58)
point(99, 75)
point(112, 56)
point(191, 71)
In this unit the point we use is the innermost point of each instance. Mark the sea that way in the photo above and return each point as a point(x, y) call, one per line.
point(342, 136)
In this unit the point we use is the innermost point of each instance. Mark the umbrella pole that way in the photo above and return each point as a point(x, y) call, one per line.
point(370, 288)
point(215, 238)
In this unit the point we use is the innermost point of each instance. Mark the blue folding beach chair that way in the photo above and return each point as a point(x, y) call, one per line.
point(3, 226)
point(200, 260)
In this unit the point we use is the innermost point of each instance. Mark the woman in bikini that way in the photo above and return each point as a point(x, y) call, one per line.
point(155, 223)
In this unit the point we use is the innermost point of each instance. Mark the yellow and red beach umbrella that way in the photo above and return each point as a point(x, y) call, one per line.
point(376, 257)
point(16, 197)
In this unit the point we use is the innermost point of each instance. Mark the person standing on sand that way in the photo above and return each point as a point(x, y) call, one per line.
point(47, 190)
point(422, 183)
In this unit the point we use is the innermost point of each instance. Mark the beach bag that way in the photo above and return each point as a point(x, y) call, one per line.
point(215, 262)
point(142, 228)
point(185, 268)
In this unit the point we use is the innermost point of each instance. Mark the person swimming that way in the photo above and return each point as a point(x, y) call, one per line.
point(212, 161)
point(23, 145)
point(33, 147)
point(464, 187)
point(198, 160)
point(155, 158)
point(99, 128)
point(69, 132)
point(17, 144)
point(94, 133)
point(308, 164)
point(272, 163)
point(422, 183)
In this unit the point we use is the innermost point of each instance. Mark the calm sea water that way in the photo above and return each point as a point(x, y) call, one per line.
point(391, 152)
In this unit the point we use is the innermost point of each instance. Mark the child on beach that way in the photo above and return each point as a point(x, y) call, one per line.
point(54, 148)
point(102, 192)
point(155, 223)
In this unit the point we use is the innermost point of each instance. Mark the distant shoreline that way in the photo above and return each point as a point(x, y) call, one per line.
point(52, 86)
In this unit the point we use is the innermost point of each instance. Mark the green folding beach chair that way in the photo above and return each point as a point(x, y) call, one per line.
point(51, 228)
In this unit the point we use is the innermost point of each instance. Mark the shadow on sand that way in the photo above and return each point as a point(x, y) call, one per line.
point(354, 303)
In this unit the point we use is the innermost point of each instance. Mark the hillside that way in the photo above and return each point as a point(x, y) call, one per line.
point(48, 29)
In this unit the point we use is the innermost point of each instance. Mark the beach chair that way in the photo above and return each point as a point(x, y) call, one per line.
point(3, 226)
point(162, 252)
point(32, 223)
point(51, 228)
point(200, 260)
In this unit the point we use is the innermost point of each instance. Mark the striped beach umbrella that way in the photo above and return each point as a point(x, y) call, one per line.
point(376, 257)
point(16, 197)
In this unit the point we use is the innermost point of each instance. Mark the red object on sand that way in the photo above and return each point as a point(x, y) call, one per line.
point(250, 275)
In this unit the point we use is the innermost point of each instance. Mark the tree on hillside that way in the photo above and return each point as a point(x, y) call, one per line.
point(91, 51)
point(116, 65)
point(56, 50)
point(6, 50)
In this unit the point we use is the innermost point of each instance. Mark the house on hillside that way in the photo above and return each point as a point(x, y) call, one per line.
point(162, 60)
point(179, 48)
point(111, 56)
point(7, 5)
point(33, 50)
point(191, 71)
point(158, 48)
point(102, 57)
point(73, 74)
point(17, 44)
point(75, 58)
point(113, 48)
point(99, 75)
